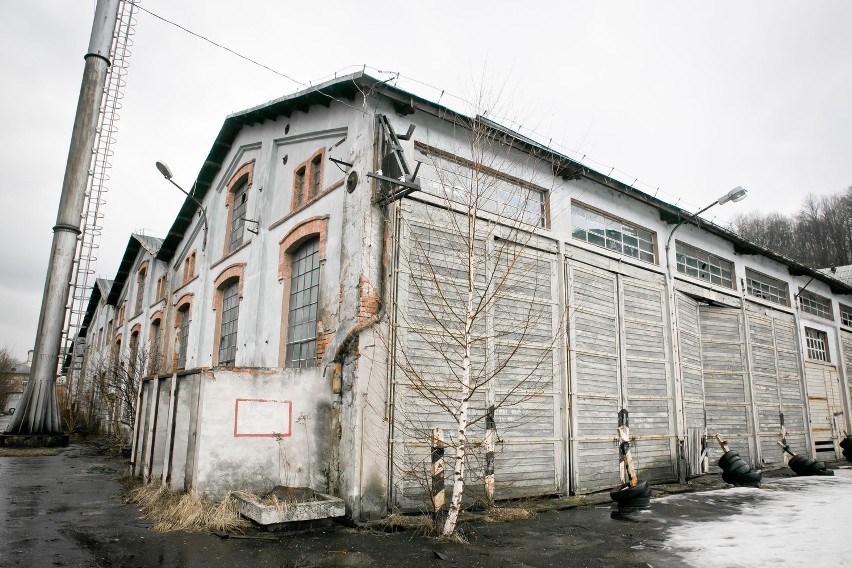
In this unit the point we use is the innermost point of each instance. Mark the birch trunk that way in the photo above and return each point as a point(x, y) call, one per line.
point(462, 416)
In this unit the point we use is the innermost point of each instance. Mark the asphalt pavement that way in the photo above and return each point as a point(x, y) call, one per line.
point(69, 510)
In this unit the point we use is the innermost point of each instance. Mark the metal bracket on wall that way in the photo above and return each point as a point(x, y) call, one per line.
point(395, 177)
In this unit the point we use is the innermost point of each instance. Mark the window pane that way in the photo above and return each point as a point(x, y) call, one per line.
point(302, 311)
point(767, 288)
point(597, 229)
point(228, 330)
point(703, 265)
point(238, 217)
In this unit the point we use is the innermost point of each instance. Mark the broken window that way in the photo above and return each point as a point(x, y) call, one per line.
point(183, 335)
point(316, 176)
point(189, 267)
point(162, 283)
point(154, 365)
point(817, 342)
point(307, 181)
point(612, 233)
point(700, 264)
point(228, 327)
point(299, 188)
point(845, 315)
point(768, 288)
point(140, 289)
point(134, 350)
point(476, 186)
point(816, 305)
point(302, 309)
point(238, 217)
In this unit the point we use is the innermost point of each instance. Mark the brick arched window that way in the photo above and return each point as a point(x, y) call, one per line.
point(237, 201)
point(183, 316)
point(302, 252)
point(226, 301)
point(156, 339)
point(141, 274)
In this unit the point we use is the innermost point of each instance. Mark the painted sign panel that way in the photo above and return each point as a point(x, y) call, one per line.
point(262, 418)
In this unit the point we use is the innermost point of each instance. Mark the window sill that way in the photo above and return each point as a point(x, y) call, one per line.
point(230, 254)
point(294, 212)
point(157, 303)
point(632, 261)
point(766, 303)
point(815, 318)
point(179, 290)
point(820, 363)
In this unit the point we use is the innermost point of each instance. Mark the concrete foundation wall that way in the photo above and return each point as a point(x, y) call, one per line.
point(258, 429)
point(179, 476)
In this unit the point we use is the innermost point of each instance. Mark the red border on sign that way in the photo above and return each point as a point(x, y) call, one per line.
point(272, 434)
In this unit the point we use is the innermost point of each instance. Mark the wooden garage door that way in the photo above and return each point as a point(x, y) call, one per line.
point(692, 371)
point(727, 396)
point(777, 382)
point(647, 376)
point(825, 407)
point(514, 333)
point(619, 356)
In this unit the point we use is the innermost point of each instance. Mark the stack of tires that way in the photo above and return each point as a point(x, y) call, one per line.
point(736, 471)
point(803, 465)
point(846, 444)
point(632, 496)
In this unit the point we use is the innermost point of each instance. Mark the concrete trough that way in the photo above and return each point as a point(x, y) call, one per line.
point(289, 504)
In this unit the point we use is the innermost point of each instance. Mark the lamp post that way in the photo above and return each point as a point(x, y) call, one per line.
point(167, 173)
point(736, 194)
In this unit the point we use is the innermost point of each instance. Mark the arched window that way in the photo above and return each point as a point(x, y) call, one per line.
point(302, 307)
point(134, 350)
point(140, 287)
point(237, 204)
point(228, 327)
point(182, 335)
point(154, 365)
point(238, 217)
point(227, 293)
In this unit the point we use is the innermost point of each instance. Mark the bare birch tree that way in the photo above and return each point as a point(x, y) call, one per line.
point(107, 398)
point(480, 319)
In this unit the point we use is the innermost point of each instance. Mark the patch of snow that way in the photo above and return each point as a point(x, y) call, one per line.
point(788, 522)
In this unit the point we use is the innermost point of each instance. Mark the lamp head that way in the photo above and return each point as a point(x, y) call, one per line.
point(736, 194)
point(164, 169)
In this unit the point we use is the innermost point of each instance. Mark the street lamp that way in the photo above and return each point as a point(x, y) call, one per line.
point(736, 194)
point(167, 173)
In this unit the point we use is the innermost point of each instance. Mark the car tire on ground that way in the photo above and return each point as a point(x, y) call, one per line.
point(627, 492)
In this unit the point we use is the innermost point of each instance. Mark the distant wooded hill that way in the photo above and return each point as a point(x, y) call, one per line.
point(819, 234)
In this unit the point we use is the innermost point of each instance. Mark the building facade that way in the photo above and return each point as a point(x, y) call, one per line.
point(309, 326)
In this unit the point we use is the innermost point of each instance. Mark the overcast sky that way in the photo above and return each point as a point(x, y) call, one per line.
point(691, 98)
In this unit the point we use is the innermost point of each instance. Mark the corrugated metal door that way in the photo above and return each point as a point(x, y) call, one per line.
point(777, 383)
point(825, 407)
point(692, 371)
point(646, 376)
point(514, 343)
point(619, 351)
point(727, 398)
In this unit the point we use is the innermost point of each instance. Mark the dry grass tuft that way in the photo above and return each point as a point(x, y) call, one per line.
point(396, 521)
point(29, 452)
point(504, 514)
point(190, 512)
point(224, 517)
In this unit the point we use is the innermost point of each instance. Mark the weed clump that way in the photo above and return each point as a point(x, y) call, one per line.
point(191, 511)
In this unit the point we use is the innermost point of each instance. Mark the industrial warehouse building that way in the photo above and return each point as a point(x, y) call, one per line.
point(301, 323)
